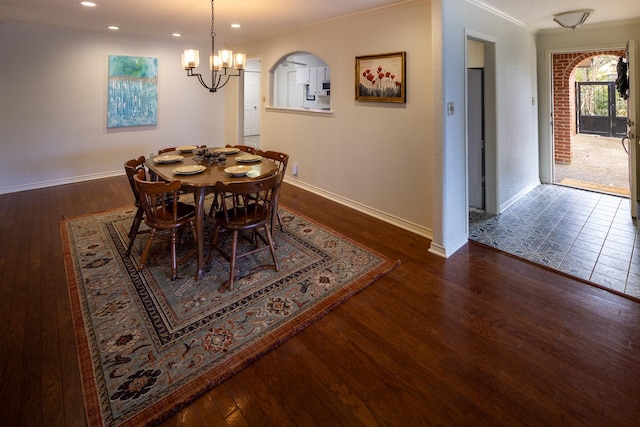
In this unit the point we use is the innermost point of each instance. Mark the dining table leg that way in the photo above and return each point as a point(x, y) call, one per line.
point(199, 196)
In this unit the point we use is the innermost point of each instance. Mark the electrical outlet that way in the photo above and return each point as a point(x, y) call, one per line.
point(294, 169)
point(450, 109)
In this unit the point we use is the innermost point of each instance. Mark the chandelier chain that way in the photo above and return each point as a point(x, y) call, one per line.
point(221, 69)
point(213, 33)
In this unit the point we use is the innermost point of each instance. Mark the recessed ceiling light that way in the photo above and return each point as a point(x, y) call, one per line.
point(176, 35)
point(113, 27)
point(235, 25)
point(88, 3)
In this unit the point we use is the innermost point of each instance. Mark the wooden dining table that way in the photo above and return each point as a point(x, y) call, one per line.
point(202, 183)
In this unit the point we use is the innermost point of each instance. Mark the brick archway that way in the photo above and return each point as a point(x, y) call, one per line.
point(564, 99)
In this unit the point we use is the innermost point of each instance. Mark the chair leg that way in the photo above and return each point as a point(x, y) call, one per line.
point(174, 256)
point(214, 240)
point(232, 263)
point(272, 247)
point(279, 219)
point(147, 248)
point(214, 205)
point(133, 232)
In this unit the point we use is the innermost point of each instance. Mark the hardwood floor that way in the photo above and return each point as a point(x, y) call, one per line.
point(480, 338)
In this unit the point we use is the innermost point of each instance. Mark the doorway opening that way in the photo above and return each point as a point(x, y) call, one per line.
point(481, 124)
point(476, 164)
point(589, 122)
point(251, 122)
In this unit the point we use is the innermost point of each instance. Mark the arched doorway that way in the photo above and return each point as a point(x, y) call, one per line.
point(583, 160)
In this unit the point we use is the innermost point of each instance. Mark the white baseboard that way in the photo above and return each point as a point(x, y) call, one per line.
point(52, 183)
point(399, 222)
point(446, 252)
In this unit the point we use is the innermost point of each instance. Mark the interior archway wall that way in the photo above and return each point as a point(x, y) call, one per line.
point(564, 99)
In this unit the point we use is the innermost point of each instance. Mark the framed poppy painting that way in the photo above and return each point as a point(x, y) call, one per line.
point(381, 78)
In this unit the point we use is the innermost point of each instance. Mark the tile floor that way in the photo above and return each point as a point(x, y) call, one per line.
point(586, 234)
point(252, 141)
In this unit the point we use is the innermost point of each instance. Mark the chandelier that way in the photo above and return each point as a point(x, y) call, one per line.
point(221, 64)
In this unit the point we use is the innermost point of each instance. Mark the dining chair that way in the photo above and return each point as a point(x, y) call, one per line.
point(132, 167)
point(154, 177)
point(281, 160)
point(166, 150)
point(248, 207)
point(170, 149)
point(245, 148)
point(163, 212)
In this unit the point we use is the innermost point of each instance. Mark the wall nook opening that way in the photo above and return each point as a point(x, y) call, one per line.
point(301, 80)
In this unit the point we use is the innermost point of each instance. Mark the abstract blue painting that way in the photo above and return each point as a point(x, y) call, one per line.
point(133, 91)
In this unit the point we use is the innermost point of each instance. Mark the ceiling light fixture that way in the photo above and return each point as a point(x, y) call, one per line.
point(572, 19)
point(88, 3)
point(220, 64)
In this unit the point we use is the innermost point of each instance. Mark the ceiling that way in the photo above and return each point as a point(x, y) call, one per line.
point(160, 18)
point(191, 18)
point(538, 15)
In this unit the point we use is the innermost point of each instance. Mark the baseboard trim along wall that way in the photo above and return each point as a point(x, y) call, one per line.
point(52, 183)
point(406, 225)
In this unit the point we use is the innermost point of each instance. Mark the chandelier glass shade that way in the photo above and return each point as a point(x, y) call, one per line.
point(221, 65)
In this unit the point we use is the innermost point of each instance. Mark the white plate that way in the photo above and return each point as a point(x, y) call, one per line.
point(167, 159)
point(227, 150)
point(238, 170)
point(249, 158)
point(189, 170)
point(186, 148)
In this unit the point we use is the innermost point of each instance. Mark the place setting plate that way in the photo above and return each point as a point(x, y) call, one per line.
point(167, 159)
point(226, 150)
point(186, 148)
point(189, 170)
point(238, 170)
point(248, 158)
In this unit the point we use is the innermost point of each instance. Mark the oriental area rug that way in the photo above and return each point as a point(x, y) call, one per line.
point(148, 346)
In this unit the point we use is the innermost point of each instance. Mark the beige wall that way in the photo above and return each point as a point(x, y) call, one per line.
point(405, 163)
point(372, 156)
point(475, 54)
point(53, 106)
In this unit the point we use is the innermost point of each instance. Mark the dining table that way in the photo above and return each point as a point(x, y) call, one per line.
point(199, 175)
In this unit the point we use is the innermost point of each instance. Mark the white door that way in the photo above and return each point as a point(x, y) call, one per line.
point(251, 103)
point(633, 64)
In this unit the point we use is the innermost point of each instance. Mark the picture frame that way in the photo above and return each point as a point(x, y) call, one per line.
point(132, 93)
point(381, 78)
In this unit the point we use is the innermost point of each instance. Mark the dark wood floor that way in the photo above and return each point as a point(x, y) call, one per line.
point(477, 339)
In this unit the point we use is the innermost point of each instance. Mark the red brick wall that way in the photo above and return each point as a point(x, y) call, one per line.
point(564, 99)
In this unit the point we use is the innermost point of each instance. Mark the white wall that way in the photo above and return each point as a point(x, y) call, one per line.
point(53, 92)
point(372, 156)
point(585, 38)
point(516, 139)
